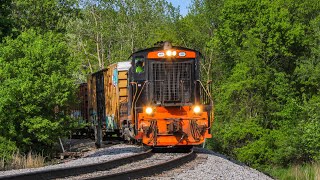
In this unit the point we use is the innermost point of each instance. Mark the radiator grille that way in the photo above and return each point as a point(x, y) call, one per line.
point(171, 82)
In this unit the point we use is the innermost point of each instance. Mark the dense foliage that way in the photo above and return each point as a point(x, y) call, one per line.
point(265, 82)
point(36, 77)
point(36, 85)
point(263, 58)
point(268, 95)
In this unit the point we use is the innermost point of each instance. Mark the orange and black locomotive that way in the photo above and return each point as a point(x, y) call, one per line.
point(156, 98)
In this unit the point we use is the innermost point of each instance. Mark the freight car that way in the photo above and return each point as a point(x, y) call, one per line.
point(79, 111)
point(107, 100)
point(156, 98)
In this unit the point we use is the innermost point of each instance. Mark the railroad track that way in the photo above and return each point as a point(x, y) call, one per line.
point(148, 167)
point(136, 166)
point(76, 170)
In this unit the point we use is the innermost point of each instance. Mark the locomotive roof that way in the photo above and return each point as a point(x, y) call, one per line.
point(158, 48)
point(161, 48)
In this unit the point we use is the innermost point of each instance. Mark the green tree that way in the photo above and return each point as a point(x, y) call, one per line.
point(267, 57)
point(6, 22)
point(108, 31)
point(36, 86)
point(42, 14)
point(197, 28)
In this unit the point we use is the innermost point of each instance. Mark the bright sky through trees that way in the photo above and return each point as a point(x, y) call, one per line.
point(184, 4)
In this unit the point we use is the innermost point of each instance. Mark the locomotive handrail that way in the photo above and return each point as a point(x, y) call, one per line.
point(211, 101)
point(133, 99)
point(207, 93)
point(136, 99)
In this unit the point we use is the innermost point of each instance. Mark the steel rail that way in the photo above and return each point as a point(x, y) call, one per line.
point(148, 171)
point(78, 170)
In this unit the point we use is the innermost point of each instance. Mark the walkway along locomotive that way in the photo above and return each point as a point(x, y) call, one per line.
point(156, 98)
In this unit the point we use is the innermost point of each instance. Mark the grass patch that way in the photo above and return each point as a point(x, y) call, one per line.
point(309, 171)
point(21, 161)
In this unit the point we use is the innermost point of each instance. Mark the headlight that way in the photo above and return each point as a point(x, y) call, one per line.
point(196, 109)
point(174, 53)
point(169, 53)
point(149, 110)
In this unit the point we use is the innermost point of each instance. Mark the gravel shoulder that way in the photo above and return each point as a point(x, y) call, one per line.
point(211, 165)
point(94, 156)
point(207, 165)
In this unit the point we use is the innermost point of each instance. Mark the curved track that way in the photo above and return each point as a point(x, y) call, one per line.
point(149, 170)
point(139, 170)
point(77, 170)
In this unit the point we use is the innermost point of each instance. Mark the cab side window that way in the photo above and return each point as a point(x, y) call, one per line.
point(139, 64)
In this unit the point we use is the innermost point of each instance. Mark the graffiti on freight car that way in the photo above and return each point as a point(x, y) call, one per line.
point(110, 123)
point(93, 116)
point(115, 77)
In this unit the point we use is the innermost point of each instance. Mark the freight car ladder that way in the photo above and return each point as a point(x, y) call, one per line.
point(123, 83)
point(123, 68)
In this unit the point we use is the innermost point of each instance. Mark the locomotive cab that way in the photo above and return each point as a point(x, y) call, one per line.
point(168, 104)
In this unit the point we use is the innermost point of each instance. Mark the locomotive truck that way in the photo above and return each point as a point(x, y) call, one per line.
point(156, 98)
